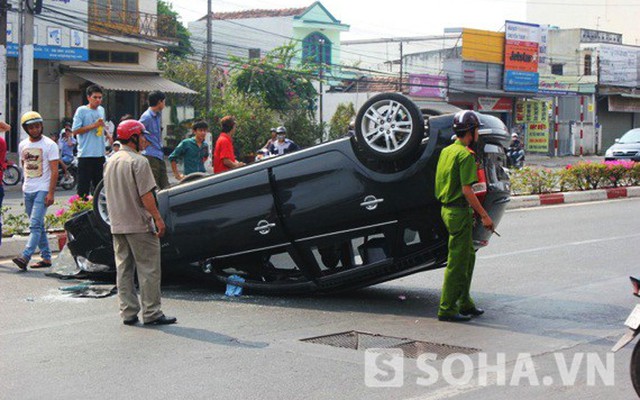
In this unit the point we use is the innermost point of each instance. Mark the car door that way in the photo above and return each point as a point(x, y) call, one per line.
point(326, 193)
point(224, 215)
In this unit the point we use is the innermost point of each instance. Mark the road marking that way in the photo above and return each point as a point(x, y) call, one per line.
point(559, 246)
point(453, 391)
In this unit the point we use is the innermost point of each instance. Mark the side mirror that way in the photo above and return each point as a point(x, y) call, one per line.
point(617, 140)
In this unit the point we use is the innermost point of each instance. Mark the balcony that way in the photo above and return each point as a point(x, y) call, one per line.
point(117, 22)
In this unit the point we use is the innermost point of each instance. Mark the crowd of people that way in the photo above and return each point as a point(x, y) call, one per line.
point(131, 173)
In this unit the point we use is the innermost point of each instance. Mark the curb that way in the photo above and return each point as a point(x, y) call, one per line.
point(572, 197)
point(14, 245)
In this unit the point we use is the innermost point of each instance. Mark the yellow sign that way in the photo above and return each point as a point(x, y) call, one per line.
point(482, 46)
point(534, 115)
point(538, 137)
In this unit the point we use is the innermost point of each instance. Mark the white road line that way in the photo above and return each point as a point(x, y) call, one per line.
point(558, 246)
point(453, 391)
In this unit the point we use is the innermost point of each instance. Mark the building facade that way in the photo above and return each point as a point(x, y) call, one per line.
point(112, 43)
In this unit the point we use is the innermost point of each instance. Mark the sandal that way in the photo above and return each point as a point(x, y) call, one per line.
point(21, 262)
point(41, 264)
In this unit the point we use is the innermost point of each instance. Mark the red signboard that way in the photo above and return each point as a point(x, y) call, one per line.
point(499, 104)
point(521, 56)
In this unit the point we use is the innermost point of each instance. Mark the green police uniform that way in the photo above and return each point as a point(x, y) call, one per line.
point(456, 168)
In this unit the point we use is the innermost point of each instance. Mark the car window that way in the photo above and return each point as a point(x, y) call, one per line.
point(633, 136)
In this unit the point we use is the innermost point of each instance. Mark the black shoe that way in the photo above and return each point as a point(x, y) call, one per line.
point(130, 321)
point(454, 318)
point(21, 262)
point(474, 312)
point(162, 320)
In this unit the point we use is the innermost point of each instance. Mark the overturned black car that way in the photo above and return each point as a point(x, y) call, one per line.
point(341, 215)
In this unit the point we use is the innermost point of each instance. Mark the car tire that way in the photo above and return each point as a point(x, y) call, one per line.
point(194, 176)
point(100, 212)
point(389, 127)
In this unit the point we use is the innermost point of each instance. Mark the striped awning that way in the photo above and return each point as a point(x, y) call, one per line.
point(133, 82)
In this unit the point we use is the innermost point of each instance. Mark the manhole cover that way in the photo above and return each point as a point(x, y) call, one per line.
point(412, 348)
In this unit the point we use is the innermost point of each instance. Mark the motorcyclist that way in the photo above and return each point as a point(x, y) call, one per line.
point(282, 145)
point(515, 151)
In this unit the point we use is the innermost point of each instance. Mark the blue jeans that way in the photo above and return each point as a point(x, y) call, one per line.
point(36, 210)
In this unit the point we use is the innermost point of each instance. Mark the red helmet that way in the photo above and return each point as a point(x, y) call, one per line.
point(128, 128)
point(465, 120)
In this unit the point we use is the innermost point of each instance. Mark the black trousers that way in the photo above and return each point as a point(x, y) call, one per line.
point(89, 174)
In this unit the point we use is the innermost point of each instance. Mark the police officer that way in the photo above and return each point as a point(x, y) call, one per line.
point(455, 174)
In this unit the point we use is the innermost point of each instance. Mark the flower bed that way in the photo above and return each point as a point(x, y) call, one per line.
point(18, 224)
point(577, 177)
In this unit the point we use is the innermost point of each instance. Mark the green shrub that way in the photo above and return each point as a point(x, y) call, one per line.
point(530, 180)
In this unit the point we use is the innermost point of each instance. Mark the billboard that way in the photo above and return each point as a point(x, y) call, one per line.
point(619, 65)
point(521, 57)
point(60, 31)
point(482, 46)
point(534, 115)
point(425, 85)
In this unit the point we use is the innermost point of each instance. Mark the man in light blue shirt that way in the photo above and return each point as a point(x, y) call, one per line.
point(88, 126)
point(152, 121)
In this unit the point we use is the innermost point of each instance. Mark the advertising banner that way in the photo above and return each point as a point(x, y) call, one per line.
point(482, 46)
point(534, 115)
point(424, 85)
point(60, 31)
point(495, 104)
point(619, 65)
point(563, 85)
point(521, 57)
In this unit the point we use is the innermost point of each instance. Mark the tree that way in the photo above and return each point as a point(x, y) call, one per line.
point(345, 112)
point(252, 116)
point(192, 75)
point(276, 80)
point(167, 19)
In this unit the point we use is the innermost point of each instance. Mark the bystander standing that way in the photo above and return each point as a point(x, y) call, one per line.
point(39, 156)
point(88, 127)
point(152, 121)
point(192, 151)
point(224, 157)
point(4, 127)
point(136, 226)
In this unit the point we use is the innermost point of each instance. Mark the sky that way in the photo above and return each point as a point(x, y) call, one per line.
point(376, 18)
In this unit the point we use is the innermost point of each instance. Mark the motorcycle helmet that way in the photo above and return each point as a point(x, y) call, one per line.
point(30, 117)
point(465, 120)
point(281, 130)
point(129, 128)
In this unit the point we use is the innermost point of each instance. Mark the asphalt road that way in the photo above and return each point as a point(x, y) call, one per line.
point(555, 287)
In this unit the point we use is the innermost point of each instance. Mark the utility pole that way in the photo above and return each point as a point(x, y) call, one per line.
point(208, 58)
point(4, 7)
point(25, 55)
point(401, 67)
point(321, 75)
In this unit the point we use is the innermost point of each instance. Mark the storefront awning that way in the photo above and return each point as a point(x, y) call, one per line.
point(133, 82)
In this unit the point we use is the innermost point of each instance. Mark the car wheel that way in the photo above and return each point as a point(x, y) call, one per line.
point(390, 127)
point(100, 212)
point(194, 176)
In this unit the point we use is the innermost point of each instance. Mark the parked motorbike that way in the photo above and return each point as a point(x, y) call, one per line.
point(515, 158)
point(69, 181)
point(633, 323)
point(12, 174)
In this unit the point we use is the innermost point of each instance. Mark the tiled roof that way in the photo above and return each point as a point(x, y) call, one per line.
point(284, 12)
